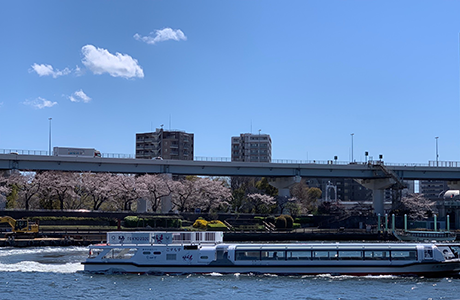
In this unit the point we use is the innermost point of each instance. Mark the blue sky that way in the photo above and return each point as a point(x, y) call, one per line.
point(309, 73)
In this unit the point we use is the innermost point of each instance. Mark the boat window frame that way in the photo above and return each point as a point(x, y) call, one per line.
point(120, 253)
point(385, 257)
point(395, 257)
point(247, 254)
point(272, 254)
point(331, 254)
point(351, 257)
point(299, 251)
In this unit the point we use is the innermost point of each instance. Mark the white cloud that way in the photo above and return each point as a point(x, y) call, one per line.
point(40, 103)
point(79, 96)
point(101, 61)
point(47, 70)
point(78, 71)
point(161, 36)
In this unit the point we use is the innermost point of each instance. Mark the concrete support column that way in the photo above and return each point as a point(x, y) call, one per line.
point(141, 205)
point(378, 187)
point(166, 204)
point(378, 200)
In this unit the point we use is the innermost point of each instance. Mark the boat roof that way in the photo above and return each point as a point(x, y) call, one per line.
point(332, 246)
point(162, 237)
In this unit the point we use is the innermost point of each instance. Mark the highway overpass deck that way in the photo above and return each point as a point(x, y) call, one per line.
point(331, 169)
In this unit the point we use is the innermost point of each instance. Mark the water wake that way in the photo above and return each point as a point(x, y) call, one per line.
point(42, 259)
point(33, 266)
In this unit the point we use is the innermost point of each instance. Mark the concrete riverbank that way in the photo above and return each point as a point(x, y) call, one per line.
point(84, 238)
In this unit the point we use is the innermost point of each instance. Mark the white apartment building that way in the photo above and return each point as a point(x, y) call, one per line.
point(250, 147)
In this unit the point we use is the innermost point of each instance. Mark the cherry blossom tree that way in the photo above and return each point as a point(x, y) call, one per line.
point(26, 185)
point(183, 193)
point(60, 185)
point(124, 191)
point(416, 206)
point(98, 188)
point(198, 192)
point(261, 203)
point(211, 194)
point(153, 188)
point(5, 189)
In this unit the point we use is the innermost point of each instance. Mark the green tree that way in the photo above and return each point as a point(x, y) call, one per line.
point(11, 199)
point(307, 196)
point(265, 188)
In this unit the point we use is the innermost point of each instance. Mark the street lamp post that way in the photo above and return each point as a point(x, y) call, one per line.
point(49, 138)
point(437, 155)
point(352, 160)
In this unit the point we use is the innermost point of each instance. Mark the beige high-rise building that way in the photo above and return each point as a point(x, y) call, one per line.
point(164, 144)
point(250, 147)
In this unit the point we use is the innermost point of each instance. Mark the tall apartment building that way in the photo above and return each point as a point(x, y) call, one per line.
point(165, 144)
point(250, 147)
point(433, 189)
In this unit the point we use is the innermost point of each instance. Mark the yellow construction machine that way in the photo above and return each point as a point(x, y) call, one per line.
point(20, 227)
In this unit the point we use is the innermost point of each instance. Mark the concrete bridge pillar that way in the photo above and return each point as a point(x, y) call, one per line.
point(141, 205)
point(378, 187)
point(283, 184)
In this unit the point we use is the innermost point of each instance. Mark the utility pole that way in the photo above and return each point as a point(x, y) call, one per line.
point(352, 159)
point(49, 138)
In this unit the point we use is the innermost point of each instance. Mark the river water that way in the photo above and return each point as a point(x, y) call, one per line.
point(56, 273)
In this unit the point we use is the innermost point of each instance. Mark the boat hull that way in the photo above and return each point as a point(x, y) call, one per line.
point(416, 269)
point(422, 236)
point(188, 253)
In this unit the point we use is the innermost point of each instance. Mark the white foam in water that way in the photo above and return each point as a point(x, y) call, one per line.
point(21, 251)
point(24, 259)
point(33, 266)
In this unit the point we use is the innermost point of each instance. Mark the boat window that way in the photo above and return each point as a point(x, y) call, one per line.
point(209, 236)
point(377, 255)
point(170, 256)
point(351, 255)
point(272, 255)
point(428, 253)
point(183, 236)
point(120, 253)
point(403, 255)
point(146, 252)
point(324, 255)
point(156, 253)
point(247, 255)
point(203, 257)
point(190, 247)
point(298, 255)
point(93, 253)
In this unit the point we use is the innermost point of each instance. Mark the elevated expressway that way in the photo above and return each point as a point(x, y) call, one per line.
point(375, 175)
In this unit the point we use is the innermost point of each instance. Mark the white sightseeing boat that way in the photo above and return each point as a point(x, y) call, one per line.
point(205, 252)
